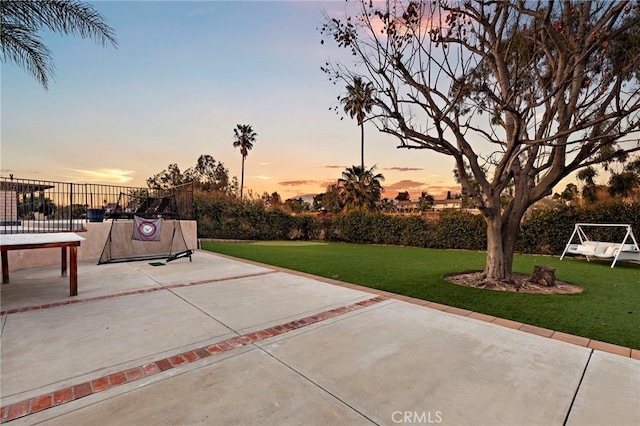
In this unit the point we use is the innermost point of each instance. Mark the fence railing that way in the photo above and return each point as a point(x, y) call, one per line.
point(32, 206)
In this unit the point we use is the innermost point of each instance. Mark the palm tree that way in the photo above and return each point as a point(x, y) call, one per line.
point(244, 137)
point(358, 103)
point(361, 188)
point(21, 21)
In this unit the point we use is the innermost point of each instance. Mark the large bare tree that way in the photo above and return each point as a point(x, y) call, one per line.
point(519, 93)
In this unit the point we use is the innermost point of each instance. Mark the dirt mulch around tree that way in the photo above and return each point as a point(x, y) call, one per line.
point(520, 283)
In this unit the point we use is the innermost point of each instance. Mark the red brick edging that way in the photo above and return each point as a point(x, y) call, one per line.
point(544, 332)
point(72, 393)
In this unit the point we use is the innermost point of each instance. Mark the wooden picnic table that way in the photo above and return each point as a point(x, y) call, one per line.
point(63, 240)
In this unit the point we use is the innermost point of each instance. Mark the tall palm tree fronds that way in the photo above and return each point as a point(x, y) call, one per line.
point(22, 20)
point(358, 103)
point(244, 137)
point(361, 188)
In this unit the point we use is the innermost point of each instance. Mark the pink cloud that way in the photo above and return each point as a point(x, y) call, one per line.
point(298, 182)
point(404, 169)
point(308, 183)
point(404, 185)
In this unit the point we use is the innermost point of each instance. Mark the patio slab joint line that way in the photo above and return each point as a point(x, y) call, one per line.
point(573, 400)
point(71, 393)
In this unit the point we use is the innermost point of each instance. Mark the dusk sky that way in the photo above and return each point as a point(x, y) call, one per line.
point(182, 77)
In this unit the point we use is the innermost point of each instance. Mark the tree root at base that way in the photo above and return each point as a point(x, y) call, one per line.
point(518, 283)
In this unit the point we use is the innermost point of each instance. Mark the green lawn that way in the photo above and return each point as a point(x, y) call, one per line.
point(607, 310)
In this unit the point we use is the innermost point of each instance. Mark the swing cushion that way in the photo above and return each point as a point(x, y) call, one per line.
point(585, 249)
point(596, 248)
point(602, 249)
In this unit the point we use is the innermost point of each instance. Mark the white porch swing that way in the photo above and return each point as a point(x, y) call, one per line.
point(628, 249)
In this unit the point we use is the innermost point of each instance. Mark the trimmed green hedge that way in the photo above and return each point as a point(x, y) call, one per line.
point(547, 230)
point(459, 229)
point(544, 230)
point(225, 217)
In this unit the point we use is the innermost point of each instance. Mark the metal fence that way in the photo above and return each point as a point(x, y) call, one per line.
point(32, 206)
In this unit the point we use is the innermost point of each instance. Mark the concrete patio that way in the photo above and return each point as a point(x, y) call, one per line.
point(224, 341)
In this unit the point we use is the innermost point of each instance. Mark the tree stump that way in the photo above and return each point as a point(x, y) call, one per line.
point(544, 275)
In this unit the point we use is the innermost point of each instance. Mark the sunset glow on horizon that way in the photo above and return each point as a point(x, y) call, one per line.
point(183, 76)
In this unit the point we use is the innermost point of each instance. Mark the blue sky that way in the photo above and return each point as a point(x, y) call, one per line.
point(183, 75)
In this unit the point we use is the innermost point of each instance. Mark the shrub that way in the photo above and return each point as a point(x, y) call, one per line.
point(459, 229)
point(416, 232)
point(306, 227)
point(352, 227)
point(544, 230)
point(547, 230)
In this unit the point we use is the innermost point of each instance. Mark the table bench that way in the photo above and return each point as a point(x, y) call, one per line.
point(63, 240)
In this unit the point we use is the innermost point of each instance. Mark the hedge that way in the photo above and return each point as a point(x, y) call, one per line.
point(547, 230)
point(544, 230)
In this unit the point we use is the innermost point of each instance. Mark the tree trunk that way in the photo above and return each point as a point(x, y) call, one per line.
point(499, 261)
point(362, 146)
point(242, 179)
point(502, 230)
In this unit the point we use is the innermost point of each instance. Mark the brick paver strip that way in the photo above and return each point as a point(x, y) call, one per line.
point(133, 374)
point(544, 332)
point(117, 379)
point(438, 306)
point(41, 403)
point(128, 293)
point(72, 393)
point(30, 406)
point(507, 323)
point(481, 317)
point(82, 390)
point(458, 311)
point(62, 396)
point(420, 302)
point(100, 384)
point(609, 347)
point(570, 338)
point(577, 340)
point(17, 410)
